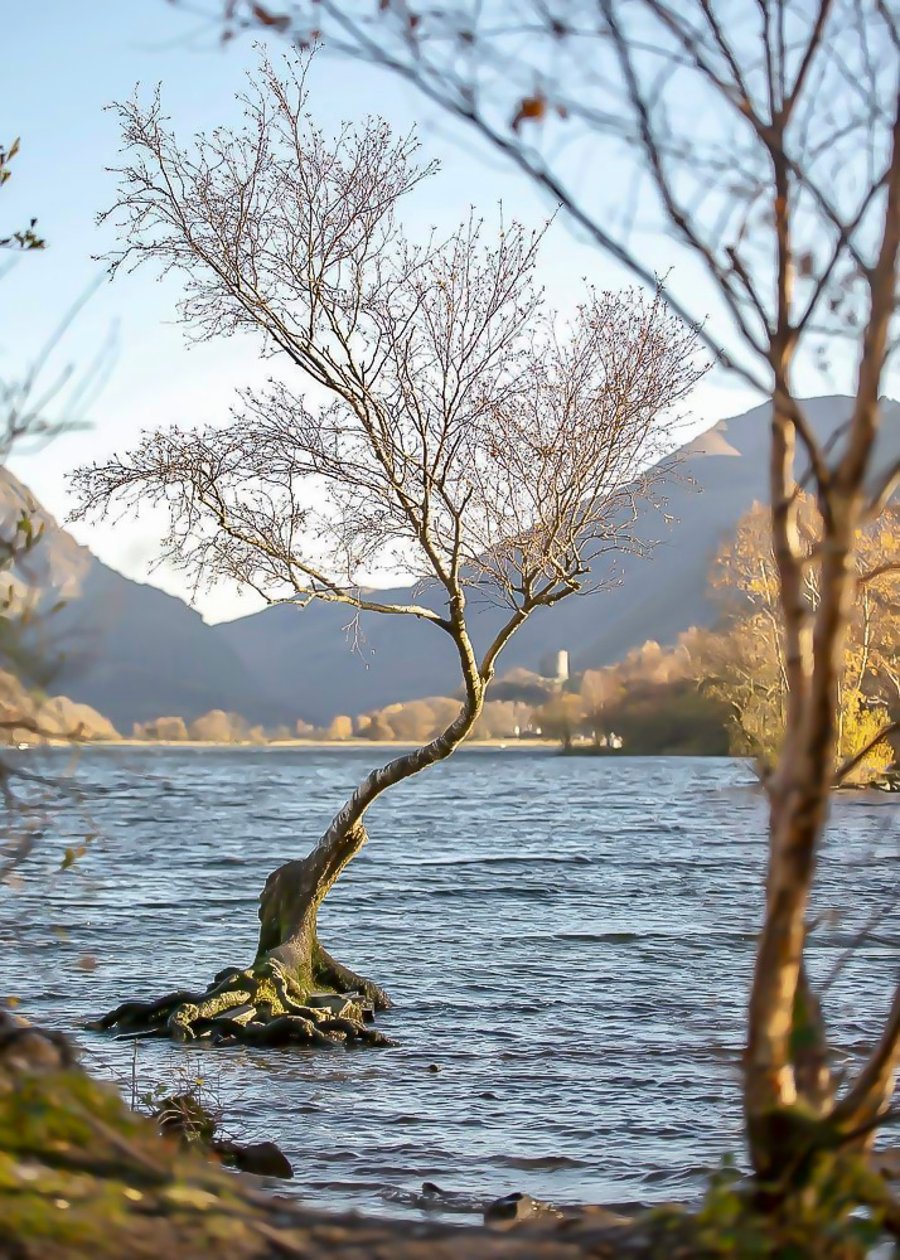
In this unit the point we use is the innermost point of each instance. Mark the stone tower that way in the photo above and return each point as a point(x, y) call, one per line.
point(561, 666)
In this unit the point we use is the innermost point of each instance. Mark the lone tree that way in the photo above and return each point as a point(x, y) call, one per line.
point(460, 433)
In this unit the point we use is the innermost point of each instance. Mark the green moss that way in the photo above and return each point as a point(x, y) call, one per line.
point(816, 1217)
point(81, 1174)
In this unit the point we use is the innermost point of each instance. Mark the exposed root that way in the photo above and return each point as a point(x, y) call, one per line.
point(281, 1031)
point(260, 1006)
point(295, 993)
point(135, 1014)
point(333, 974)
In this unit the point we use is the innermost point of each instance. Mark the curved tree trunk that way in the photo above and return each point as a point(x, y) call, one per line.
point(287, 994)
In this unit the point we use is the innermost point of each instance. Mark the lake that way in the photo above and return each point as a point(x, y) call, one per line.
point(569, 940)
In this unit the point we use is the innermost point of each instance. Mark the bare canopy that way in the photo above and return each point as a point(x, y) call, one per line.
point(430, 416)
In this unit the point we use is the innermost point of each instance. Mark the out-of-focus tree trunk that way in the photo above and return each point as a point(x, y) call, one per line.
point(800, 788)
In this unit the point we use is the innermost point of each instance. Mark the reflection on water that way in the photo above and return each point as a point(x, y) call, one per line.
point(568, 939)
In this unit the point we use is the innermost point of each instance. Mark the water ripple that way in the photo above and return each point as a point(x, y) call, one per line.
point(568, 940)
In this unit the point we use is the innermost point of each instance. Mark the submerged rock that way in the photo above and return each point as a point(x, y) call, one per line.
point(432, 1198)
point(185, 1117)
point(509, 1211)
point(521, 1209)
point(262, 1159)
point(516, 1208)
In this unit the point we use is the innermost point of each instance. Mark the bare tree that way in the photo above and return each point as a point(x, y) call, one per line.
point(765, 137)
point(464, 435)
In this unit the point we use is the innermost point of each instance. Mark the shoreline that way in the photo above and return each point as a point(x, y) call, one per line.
point(312, 744)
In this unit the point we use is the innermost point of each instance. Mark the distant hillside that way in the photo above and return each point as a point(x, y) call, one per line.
point(306, 655)
point(135, 653)
point(127, 649)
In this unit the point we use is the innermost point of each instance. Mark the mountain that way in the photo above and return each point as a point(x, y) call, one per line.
point(135, 653)
point(125, 648)
point(307, 654)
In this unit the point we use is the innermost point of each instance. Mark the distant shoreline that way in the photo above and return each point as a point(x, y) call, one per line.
point(514, 745)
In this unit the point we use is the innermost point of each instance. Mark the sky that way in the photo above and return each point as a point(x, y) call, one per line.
point(64, 63)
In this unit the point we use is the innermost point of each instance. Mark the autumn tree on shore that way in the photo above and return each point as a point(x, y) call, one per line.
point(460, 432)
point(744, 664)
point(561, 717)
point(764, 140)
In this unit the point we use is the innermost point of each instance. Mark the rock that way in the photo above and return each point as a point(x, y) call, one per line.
point(237, 1014)
point(344, 1005)
point(263, 1159)
point(25, 1049)
point(352, 1010)
point(516, 1209)
point(510, 1211)
point(185, 1117)
point(333, 1002)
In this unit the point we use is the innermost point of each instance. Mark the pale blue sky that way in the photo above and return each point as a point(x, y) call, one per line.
point(64, 62)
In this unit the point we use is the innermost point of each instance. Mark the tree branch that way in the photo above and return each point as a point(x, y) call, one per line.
point(891, 728)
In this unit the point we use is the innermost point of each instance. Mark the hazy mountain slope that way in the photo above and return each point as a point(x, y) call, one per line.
point(306, 657)
point(127, 649)
point(135, 653)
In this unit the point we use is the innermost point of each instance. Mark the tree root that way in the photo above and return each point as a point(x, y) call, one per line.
point(260, 1006)
point(335, 975)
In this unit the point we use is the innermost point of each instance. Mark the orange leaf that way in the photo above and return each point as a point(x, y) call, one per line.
point(279, 20)
point(531, 108)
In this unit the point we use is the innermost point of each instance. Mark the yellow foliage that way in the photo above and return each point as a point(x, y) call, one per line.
point(744, 665)
point(859, 723)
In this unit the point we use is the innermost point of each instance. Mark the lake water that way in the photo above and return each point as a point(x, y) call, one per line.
point(568, 939)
